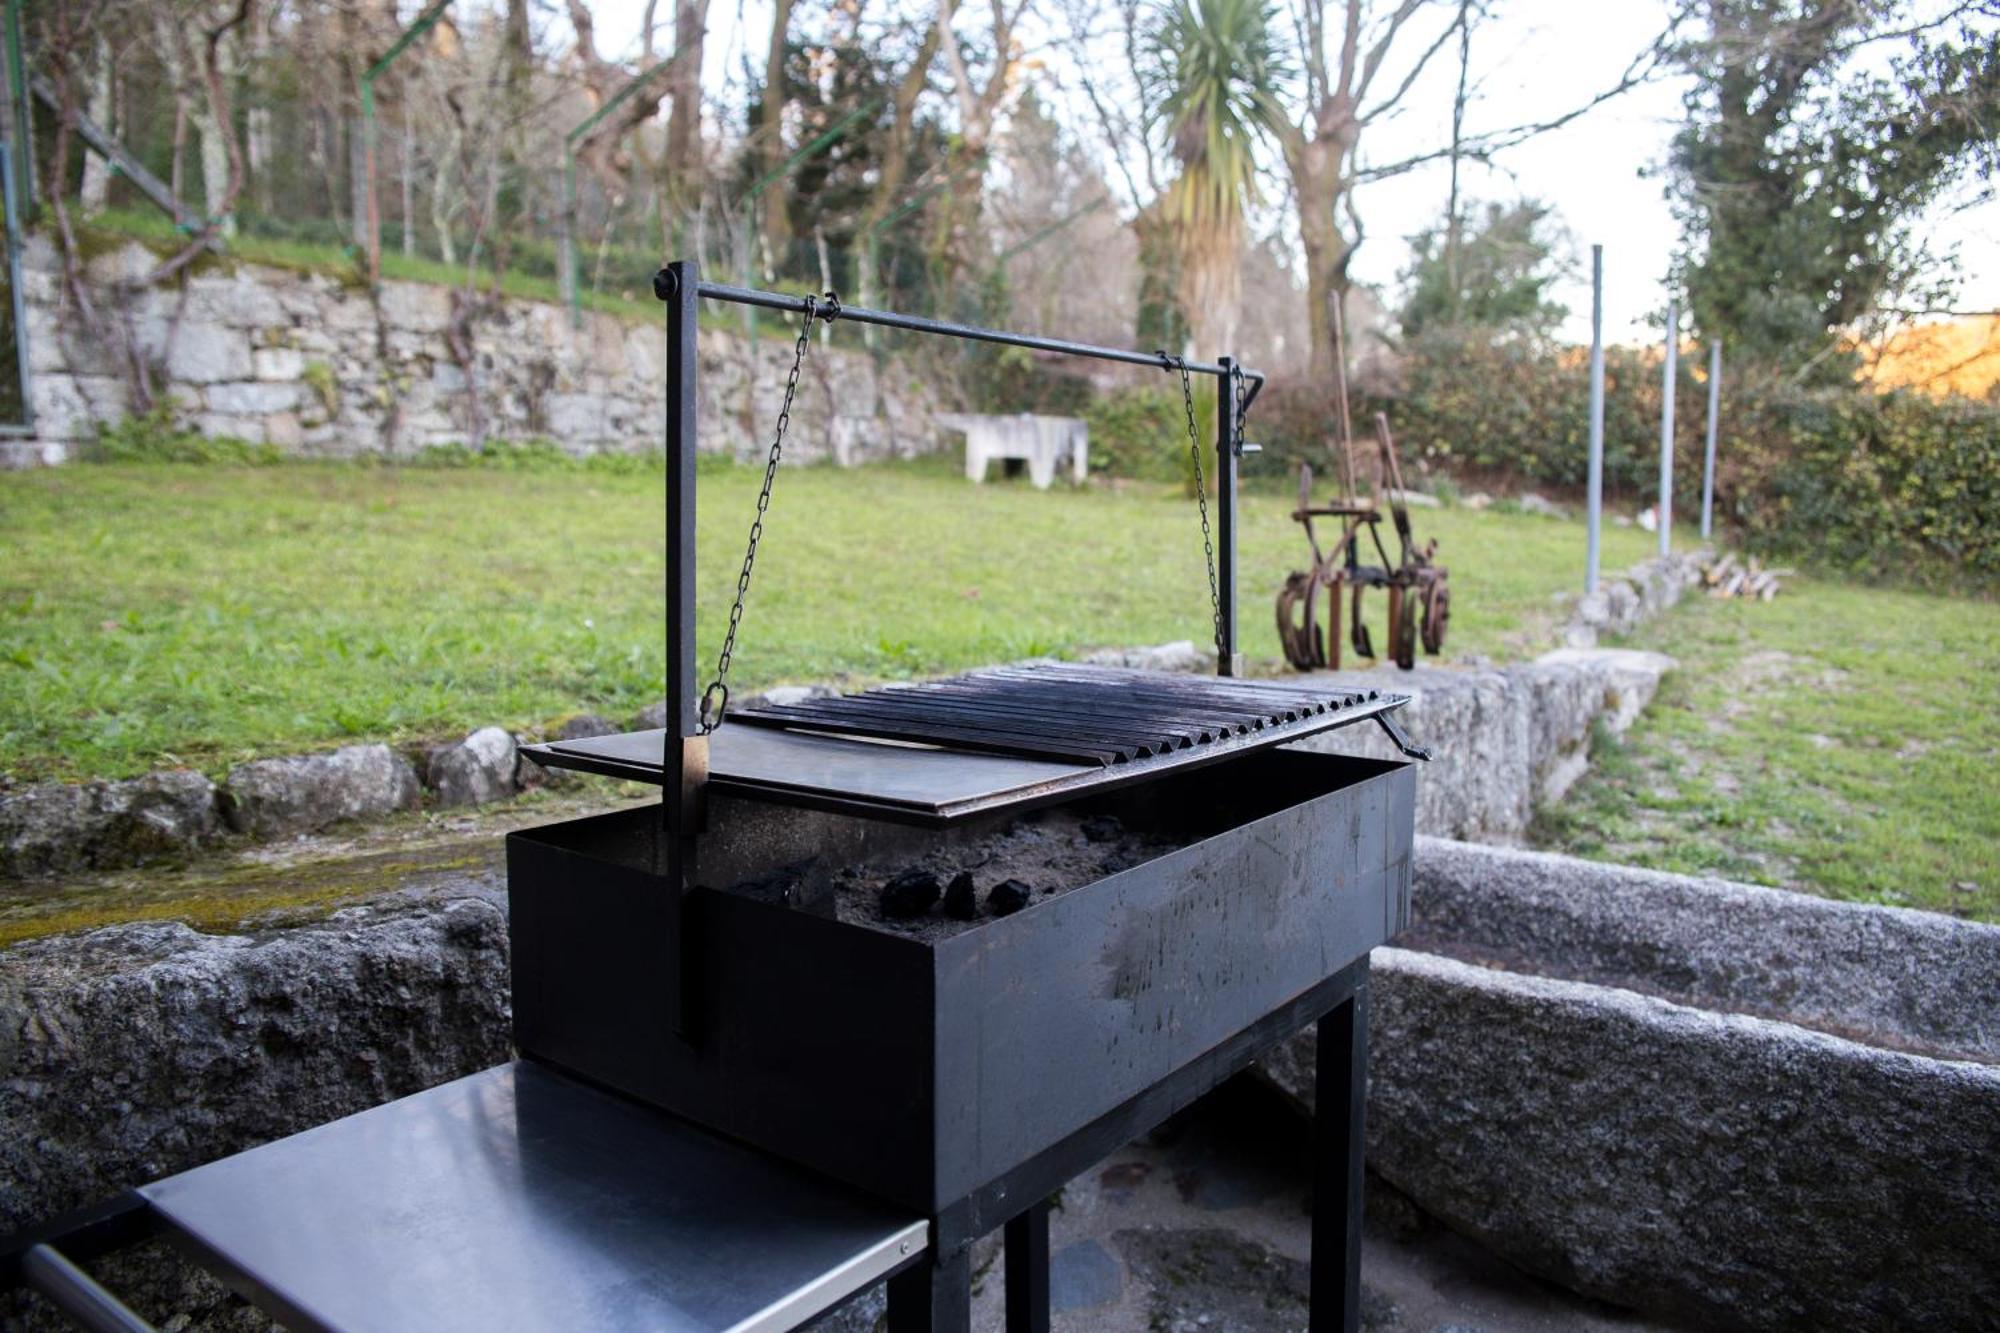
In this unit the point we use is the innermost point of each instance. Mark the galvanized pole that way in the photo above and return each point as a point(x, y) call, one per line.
point(23, 106)
point(1596, 417)
point(23, 366)
point(1667, 435)
point(1708, 450)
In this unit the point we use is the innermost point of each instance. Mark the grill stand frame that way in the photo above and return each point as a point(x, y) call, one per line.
point(934, 1295)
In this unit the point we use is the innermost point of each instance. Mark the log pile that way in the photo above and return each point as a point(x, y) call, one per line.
point(1730, 577)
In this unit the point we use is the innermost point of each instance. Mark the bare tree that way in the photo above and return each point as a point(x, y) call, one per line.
point(888, 192)
point(979, 103)
point(777, 220)
point(683, 161)
point(1345, 88)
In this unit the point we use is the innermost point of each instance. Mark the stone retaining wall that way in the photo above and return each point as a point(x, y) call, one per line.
point(315, 365)
point(1505, 739)
point(1666, 1151)
point(1741, 1106)
point(140, 1050)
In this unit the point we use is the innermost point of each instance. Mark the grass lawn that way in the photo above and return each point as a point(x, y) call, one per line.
point(155, 230)
point(152, 614)
point(1841, 740)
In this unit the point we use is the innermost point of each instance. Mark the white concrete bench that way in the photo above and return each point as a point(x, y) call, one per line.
point(1043, 443)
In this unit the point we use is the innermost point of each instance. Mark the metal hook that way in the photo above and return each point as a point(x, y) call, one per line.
point(712, 708)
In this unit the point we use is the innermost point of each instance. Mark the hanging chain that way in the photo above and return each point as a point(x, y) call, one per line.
point(1200, 489)
point(715, 699)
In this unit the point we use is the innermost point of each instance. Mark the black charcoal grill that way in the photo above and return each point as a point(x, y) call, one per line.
point(696, 956)
point(923, 1085)
point(697, 981)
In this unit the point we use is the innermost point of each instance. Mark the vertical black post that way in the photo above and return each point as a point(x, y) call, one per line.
point(1027, 1246)
point(933, 1297)
point(684, 767)
point(686, 758)
point(1340, 1090)
point(1230, 661)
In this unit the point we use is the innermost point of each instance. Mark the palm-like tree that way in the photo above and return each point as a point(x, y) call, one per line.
point(1216, 68)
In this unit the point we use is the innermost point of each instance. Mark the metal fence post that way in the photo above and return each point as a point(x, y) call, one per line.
point(1667, 433)
point(1708, 449)
point(23, 109)
point(9, 188)
point(1596, 501)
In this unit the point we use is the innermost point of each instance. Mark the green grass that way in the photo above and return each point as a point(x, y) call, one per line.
point(158, 233)
point(1841, 740)
point(156, 613)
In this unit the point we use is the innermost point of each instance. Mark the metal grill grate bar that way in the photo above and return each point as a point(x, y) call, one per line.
point(1071, 713)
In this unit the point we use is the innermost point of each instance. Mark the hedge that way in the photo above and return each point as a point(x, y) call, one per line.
point(1897, 485)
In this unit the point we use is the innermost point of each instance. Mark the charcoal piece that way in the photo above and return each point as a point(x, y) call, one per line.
point(961, 901)
point(1008, 897)
point(1103, 828)
point(785, 886)
point(910, 894)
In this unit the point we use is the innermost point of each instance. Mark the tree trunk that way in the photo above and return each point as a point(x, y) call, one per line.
point(775, 203)
point(684, 155)
point(888, 192)
point(409, 179)
point(1319, 185)
point(95, 192)
point(214, 169)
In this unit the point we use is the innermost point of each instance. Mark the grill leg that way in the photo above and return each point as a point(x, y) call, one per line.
point(933, 1297)
point(1027, 1248)
point(1340, 1091)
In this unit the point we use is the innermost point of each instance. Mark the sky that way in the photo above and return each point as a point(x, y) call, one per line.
point(1531, 60)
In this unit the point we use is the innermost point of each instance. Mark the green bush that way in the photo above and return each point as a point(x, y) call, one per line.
point(1141, 433)
point(1888, 485)
point(1514, 412)
point(159, 437)
point(1897, 484)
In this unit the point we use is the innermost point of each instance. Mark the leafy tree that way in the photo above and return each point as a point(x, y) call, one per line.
point(1491, 272)
point(1215, 75)
point(1802, 178)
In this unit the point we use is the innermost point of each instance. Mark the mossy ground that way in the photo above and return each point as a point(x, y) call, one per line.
point(285, 883)
point(1842, 740)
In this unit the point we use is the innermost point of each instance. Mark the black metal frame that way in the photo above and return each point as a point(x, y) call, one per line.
point(935, 1294)
point(681, 287)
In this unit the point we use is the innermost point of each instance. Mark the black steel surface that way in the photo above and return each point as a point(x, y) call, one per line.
point(520, 1199)
point(926, 1071)
point(1009, 738)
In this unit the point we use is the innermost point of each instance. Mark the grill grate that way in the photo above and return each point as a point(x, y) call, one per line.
point(1065, 712)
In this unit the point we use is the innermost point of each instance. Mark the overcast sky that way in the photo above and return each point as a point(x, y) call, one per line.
point(1531, 60)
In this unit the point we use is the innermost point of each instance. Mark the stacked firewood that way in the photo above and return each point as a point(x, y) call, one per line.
point(1730, 577)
